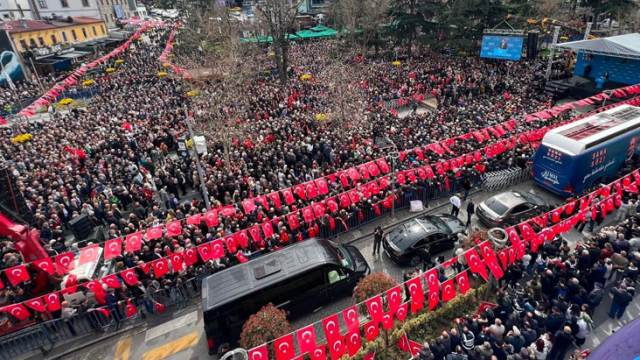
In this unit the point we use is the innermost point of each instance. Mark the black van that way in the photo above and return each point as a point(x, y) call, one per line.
point(299, 279)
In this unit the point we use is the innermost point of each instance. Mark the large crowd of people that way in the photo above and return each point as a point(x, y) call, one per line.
point(113, 161)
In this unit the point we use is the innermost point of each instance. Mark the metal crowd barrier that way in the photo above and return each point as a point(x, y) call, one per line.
point(47, 334)
point(501, 179)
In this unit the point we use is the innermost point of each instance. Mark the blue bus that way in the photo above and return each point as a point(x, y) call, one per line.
point(574, 156)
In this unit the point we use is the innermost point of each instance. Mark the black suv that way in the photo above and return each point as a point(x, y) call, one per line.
point(403, 243)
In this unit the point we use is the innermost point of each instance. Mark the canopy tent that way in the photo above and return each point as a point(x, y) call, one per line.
point(622, 345)
point(316, 32)
point(267, 39)
point(622, 46)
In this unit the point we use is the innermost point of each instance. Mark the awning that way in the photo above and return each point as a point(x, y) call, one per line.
point(73, 55)
point(622, 46)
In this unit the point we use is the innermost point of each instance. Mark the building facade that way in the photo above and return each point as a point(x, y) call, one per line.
point(114, 10)
point(61, 9)
point(43, 38)
point(16, 10)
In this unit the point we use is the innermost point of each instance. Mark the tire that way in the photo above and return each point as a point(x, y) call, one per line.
point(415, 261)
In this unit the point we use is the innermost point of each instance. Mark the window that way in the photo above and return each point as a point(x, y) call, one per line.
point(85, 3)
point(64, 3)
point(32, 43)
point(102, 2)
point(41, 41)
point(23, 44)
point(64, 37)
point(102, 29)
point(95, 33)
point(335, 275)
point(54, 40)
point(43, 4)
point(84, 33)
point(521, 208)
point(73, 33)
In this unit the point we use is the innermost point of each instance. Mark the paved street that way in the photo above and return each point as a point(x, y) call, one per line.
point(180, 335)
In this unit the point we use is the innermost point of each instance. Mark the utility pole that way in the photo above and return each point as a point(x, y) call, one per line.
point(203, 187)
point(552, 51)
point(394, 155)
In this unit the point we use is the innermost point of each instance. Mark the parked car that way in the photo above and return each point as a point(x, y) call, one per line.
point(509, 208)
point(403, 243)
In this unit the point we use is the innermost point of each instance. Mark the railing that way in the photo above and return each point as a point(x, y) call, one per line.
point(501, 179)
point(38, 337)
point(16, 107)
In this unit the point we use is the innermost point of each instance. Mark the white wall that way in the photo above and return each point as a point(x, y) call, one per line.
point(10, 10)
point(74, 8)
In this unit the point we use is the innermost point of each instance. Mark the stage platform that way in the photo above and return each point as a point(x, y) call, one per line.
point(579, 87)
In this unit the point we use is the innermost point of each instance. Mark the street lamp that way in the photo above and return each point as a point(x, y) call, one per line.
point(203, 187)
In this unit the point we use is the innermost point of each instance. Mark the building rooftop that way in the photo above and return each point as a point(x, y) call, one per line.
point(19, 26)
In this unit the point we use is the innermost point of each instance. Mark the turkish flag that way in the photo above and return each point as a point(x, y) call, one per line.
point(432, 278)
point(146, 267)
point(403, 343)
point(217, 249)
point(275, 198)
point(205, 251)
point(400, 177)
point(384, 182)
point(94, 286)
point(133, 242)
point(45, 265)
point(190, 256)
point(504, 258)
point(211, 218)
point(512, 254)
point(526, 230)
point(364, 189)
point(372, 169)
point(194, 219)
point(293, 220)
point(307, 214)
point(267, 228)
point(513, 235)
point(337, 347)
point(18, 311)
point(288, 196)
point(284, 347)
point(262, 200)
point(248, 205)
point(463, 282)
point(176, 261)
point(36, 304)
point(331, 327)
point(321, 183)
point(299, 190)
point(312, 192)
point(160, 267)
point(344, 179)
point(319, 209)
point(475, 264)
point(394, 298)
point(331, 204)
point(402, 311)
point(154, 232)
point(65, 263)
point(387, 321)
point(354, 196)
point(411, 175)
point(364, 171)
point(129, 276)
point(306, 339)
point(414, 347)
point(259, 353)
point(351, 319)
point(111, 281)
point(53, 301)
point(228, 210)
point(371, 330)
point(491, 259)
point(242, 238)
point(373, 187)
point(422, 173)
point(382, 164)
point(354, 342)
point(448, 290)
point(241, 257)
point(374, 305)
point(112, 248)
point(88, 254)
point(353, 174)
point(344, 200)
point(174, 228)
point(255, 233)
point(417, 294)
point(131, 310)
point(319, 353)
point(440, 168)
point(232, 246)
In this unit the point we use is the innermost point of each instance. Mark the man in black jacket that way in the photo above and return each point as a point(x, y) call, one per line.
point(564, 339)
point(621, 298)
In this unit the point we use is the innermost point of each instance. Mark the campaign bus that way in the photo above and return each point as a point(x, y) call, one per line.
point(573, 157)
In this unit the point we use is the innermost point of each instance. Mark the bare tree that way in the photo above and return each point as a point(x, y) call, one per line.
point(280, 16)
point(361, 21)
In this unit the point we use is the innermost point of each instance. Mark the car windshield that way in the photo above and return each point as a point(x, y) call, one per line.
point(439, 223)
point(343, 255)
point(496, 206)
